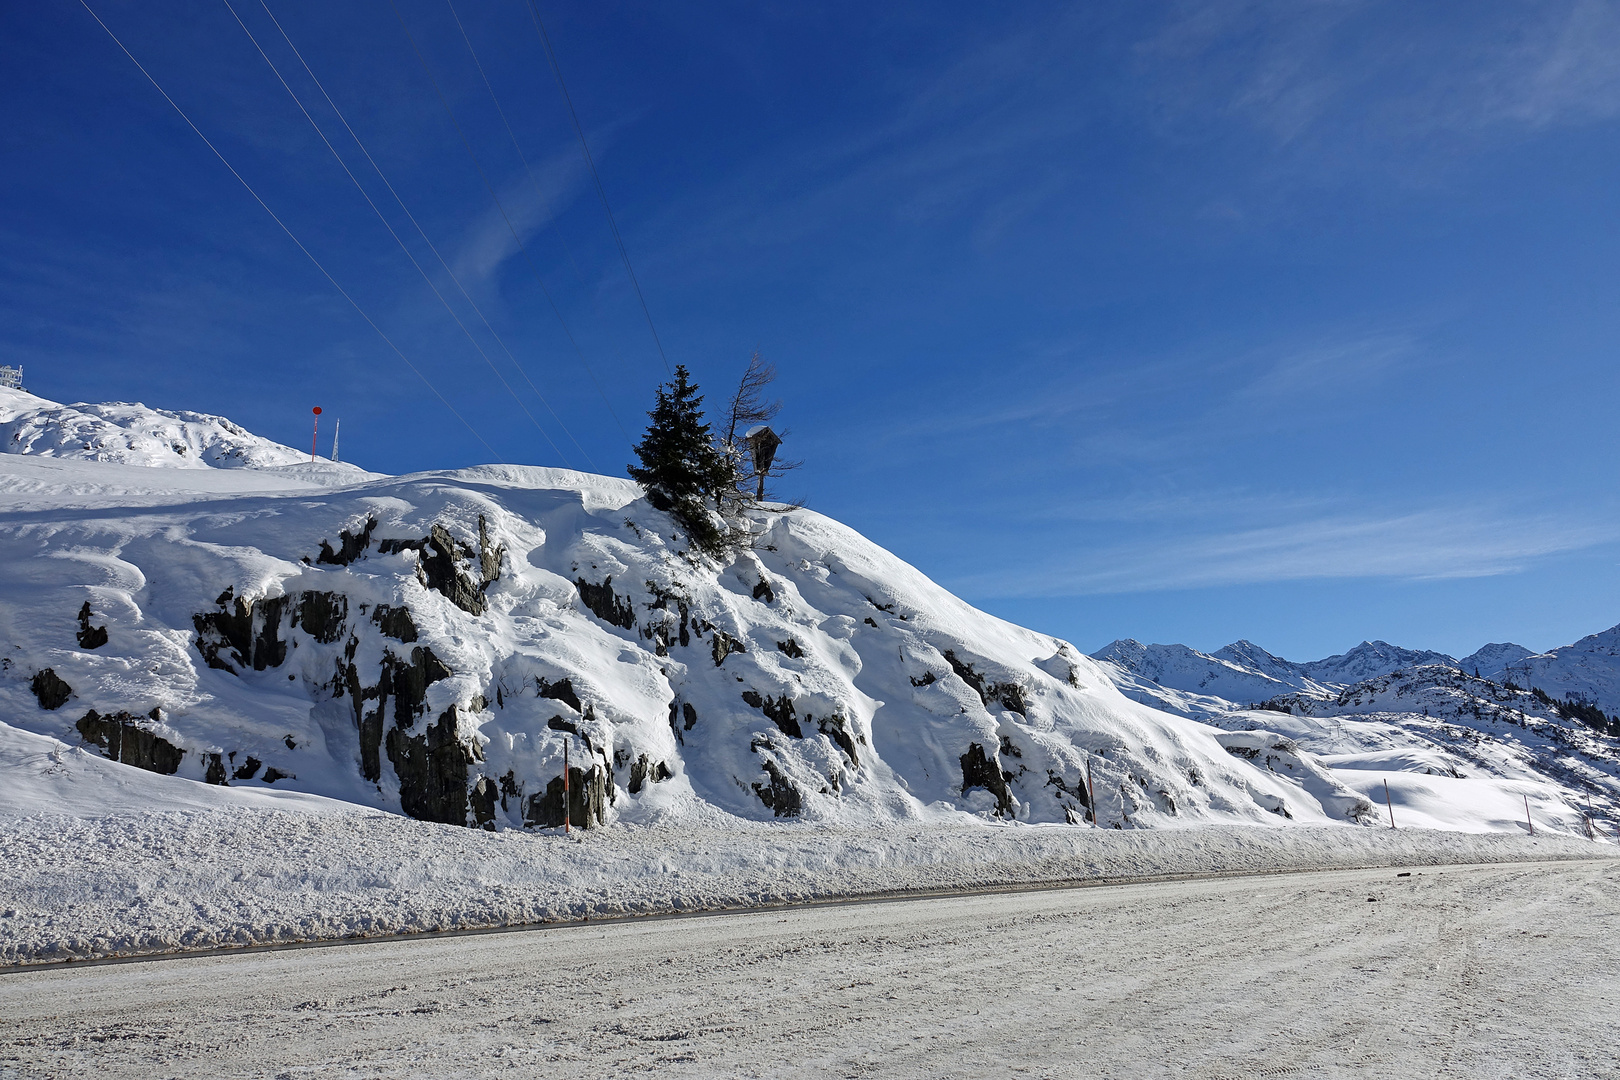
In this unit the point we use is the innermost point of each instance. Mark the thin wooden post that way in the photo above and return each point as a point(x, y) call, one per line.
point(567, 829)
point(1527, 819)
point(1091, 790)
point(1389, 803)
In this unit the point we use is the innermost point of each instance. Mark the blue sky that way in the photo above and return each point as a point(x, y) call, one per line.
point(1292, 321)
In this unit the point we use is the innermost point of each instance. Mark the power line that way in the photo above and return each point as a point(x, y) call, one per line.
point(307, 254)
point(365, 195)
point(467, 144)
point(420, 232)
point(601, 192)
point(534, 183)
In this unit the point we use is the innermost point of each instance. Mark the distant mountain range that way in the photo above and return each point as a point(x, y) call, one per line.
point(1183, 680)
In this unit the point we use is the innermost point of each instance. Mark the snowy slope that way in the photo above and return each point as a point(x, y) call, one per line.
point(1195, 684)
point(435, 644)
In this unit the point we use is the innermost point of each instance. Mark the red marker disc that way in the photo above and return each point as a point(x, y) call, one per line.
point(317, 410)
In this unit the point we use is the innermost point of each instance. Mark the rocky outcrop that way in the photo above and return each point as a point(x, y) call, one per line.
point(350, 546)
point(777, 792)
point(1008, 695)
point(602, 602)
point(589, 793)
point(400, 683)
point(121, 737)
point(646, 771)
point(90, 637)
point(433, 768)
point(243, 633)
point(52, 691)
point(981, 770)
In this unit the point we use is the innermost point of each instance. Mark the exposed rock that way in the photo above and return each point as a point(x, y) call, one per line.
point(350, 546)
point(394, 622)
point(489, 559)
point(90, 637)
point(1008, 695)
point(272, 774)
point(763, 591)
point(432, 770)
point(723, 646)
point(215, 773)
point(251, 631)
point(601, 601)
point(440, 568)
point(482, 797)
point(790, 647)
point(323, 615)
point(926, 680)
point(836, 727)
point(587, 800)
point(646, 771)
point(984, 771)
point(779, 710)
point(50, 689)
point(249, 769)
point(778, 794)
point(122, 738)
point(405, 684)
point(562, 690)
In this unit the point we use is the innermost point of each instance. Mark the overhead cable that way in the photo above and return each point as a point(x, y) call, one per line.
point(290, 235)
point(535, 184)
point(420, 232)
point(601, 192)
point(366, 195)
point(482, 175)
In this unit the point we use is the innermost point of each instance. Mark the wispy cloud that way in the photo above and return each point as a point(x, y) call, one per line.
point(529, 207)
point(1297, 69)
point(1442, 542)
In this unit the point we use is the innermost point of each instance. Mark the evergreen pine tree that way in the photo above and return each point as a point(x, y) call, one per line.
point(681, 469)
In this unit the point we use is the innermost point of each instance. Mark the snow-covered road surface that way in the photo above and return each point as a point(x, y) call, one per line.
point(1452, 971)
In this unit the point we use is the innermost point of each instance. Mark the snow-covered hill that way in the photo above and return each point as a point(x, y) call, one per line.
point(437, 643)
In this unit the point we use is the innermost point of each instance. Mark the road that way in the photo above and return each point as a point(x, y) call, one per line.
point(1510, 971)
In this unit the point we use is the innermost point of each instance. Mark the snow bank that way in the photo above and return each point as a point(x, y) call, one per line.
point(128, 884)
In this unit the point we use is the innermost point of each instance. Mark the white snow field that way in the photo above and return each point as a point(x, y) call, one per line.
point(1476, 972)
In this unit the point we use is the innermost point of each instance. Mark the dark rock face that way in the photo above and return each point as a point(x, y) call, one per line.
point(394, 622)
point(405, 684)
point(836, 727)
point(432, 770)
point(215, 771)
point(790, 647)
point(562, 690)
point(601, 602)
point(248, 769)
point(646, 771)
point(121, 738)
point(779, 710)
point(763, 591)
point(351, 546)
point(723, 645)
point(1008, 695)
point(482, 798)
point(984, 771)
point(441, 571)
point(589, 791)
point(90, 637)
point(323, 615)
point(778, 793)
point(247, 633)
point(50, 689)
